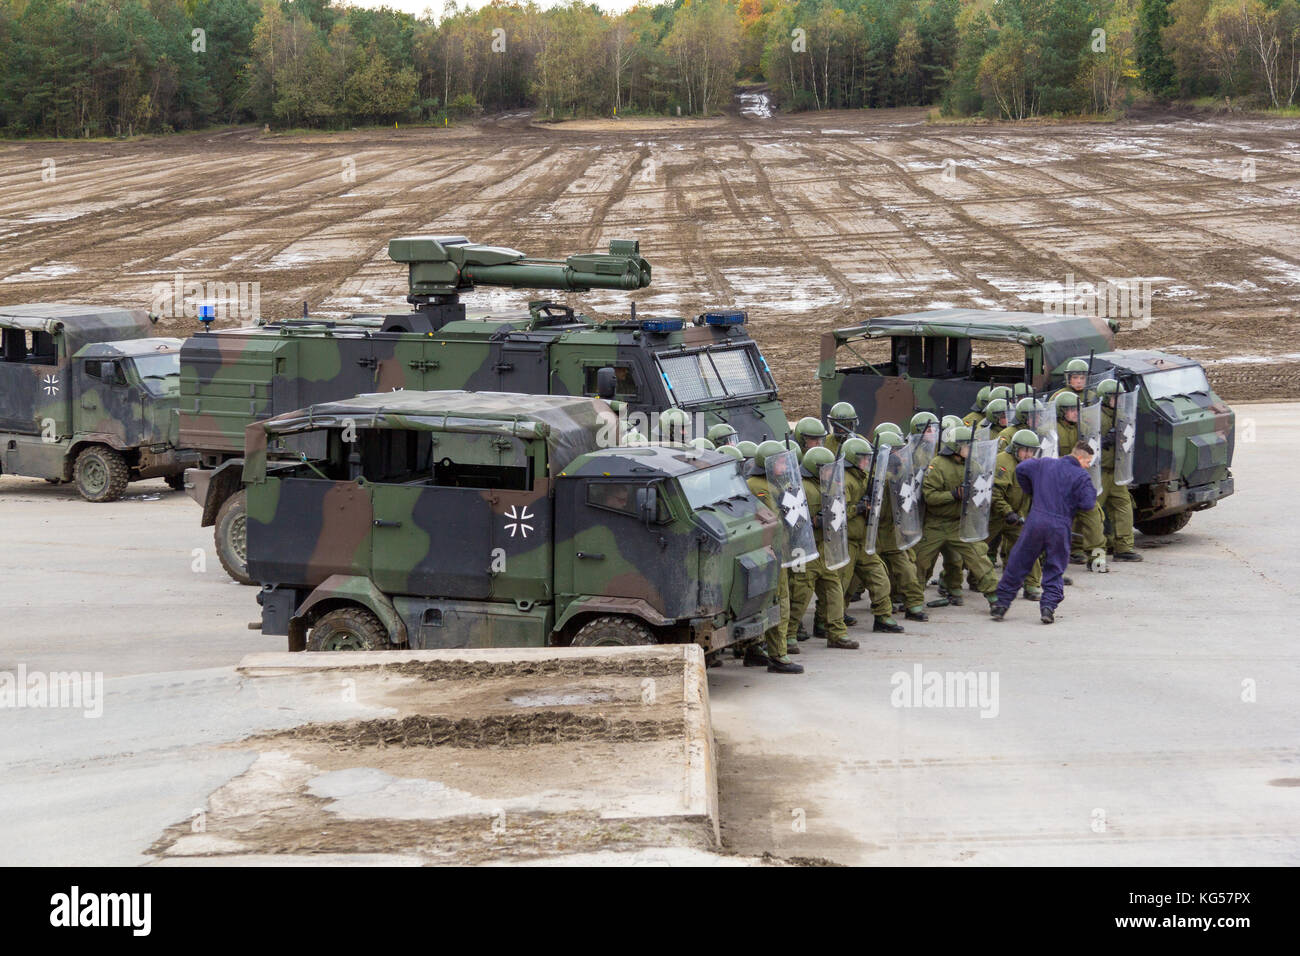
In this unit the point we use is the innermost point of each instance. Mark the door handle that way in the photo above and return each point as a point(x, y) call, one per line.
point(593, 555)
point(380, 523)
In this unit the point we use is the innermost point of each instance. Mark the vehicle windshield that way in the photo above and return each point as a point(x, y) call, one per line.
point(712, 374)
point(708, 487)
point(1177, 381)
point(156, 371)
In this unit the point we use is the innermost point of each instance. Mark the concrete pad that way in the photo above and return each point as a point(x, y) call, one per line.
point(472, 756)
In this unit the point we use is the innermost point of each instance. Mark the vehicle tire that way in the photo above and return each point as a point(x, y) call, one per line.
point(176, 482)
point(231, 537)
point(612, 632)
point(348, 629)
point(1166, 525)
point(101, 473)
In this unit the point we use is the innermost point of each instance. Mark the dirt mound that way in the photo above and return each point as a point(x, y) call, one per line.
point(485, 670)
point(496, 731)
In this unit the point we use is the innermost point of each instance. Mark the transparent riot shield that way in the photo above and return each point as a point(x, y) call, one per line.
point(1044, 426)
point(983, 431)
point(1090, 431)
point(834, 516)
point(876, 497)
point(977, 496)
point(1126, 408)
point(904, 497)
point(798, 545)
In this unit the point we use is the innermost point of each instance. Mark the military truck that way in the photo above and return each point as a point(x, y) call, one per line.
point(891, 367)
point(87, 395)
point(480, 519)
point(709, 367)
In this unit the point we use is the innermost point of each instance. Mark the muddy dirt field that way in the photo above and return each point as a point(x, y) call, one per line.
point(809, 222)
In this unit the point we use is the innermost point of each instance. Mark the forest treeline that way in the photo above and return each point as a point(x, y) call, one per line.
point(118, 67)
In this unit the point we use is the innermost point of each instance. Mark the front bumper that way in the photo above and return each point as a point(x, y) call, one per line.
point(1194, 498)
point(714, 637)
point(172, 461)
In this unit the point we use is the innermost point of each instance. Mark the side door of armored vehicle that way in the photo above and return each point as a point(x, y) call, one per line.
point(462, 534)
point(107, 404)
point(34, 391)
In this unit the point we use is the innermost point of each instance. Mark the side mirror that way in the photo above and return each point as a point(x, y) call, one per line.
point(606, 382)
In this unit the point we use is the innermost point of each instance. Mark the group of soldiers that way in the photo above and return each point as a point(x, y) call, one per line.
point(869, 517)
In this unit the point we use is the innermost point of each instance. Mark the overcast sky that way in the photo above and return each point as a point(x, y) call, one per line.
point(418, 7)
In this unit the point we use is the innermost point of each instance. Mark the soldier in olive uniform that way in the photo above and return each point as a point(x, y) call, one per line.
point(816, 578)
point(1076, 381)
point(774, 638)
point(723, 434)
point(1115, 499)
point(868, 568)
point(1087, 524)
point(1011, 505)
point(1020, 418)
point(899, 562)
point(809, 433)
point(972, 417)
point(843, 422)
point(943, 489)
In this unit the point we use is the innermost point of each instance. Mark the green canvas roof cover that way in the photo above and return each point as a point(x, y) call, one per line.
point(80, 324)
point(571, 426)
point(1062, 336)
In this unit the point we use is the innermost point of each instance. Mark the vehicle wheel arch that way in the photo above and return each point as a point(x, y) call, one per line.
point(342, 591)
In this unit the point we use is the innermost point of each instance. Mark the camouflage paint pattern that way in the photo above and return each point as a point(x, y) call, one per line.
point(484, 519)
point(1185, 441)
point(82, 384)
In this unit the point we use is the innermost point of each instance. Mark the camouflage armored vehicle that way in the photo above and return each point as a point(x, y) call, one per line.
point(892, 367)
point(87, 395)
point(478, 519)
point(710, 367)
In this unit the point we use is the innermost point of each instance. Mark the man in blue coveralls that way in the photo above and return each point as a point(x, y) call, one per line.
point(1060, 487)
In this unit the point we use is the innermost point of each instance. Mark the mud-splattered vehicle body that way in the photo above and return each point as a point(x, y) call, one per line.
point(461, 519)
point(87, 395)
point(891, 367)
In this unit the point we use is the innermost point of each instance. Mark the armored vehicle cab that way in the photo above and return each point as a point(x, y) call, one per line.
point(710, 366)
point(477, 519)
point(86, 395)
point(891, 367)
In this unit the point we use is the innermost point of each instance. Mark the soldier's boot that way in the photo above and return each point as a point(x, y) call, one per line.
point(841, 644)
point(819, 630)
point(786, 666)
point(1078, 557)
point(713, 660)
point(887, 625)
point(1048, 615)
point(899, 607)
point(998, 612)
point(801, 635)
point(850, 620)
point(1097, 561)
point(1066, 579)
point(955, 598)
point(1032, 593)
point(916, 613)
point(1128, 556)
point(755, 656)
point(792, 647)
point(943, 600)
point(855, 597)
